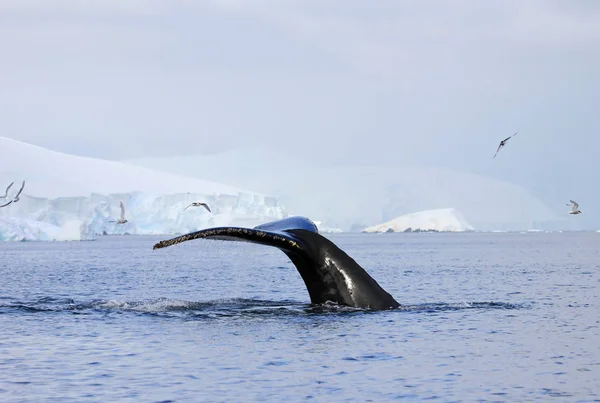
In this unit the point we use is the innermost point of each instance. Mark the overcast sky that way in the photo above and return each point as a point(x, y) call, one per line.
point(434, 82)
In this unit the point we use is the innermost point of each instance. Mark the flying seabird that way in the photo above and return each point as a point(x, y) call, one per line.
point(575, 209)
point(121, 220)
point(16, 198)
point(198, 204)
point(503, 143)
point(6, 192)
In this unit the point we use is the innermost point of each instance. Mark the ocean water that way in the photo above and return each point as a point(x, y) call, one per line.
point(489, 317)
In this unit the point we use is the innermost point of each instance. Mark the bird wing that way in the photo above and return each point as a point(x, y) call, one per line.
point(575, 205)
point(7, 188)
point(122, 210)
point(498, 149)
point(510, 137)
point(4, 205)
point(206, 207)
point(188, 206)
point(20, 190)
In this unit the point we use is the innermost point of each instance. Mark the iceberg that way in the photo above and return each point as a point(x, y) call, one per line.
point(440, 220)
point(147, 214)
point(68, 197)
point(13, 229)
point(326, 230)
point(352, 196)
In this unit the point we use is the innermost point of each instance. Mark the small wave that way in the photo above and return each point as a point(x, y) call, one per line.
point(165, 306)
point(43, 304)
point(225, 307)
point(441, 306)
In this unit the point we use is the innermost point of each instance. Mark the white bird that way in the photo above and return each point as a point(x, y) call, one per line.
point(121, 220)
point(198, 204)
point(16, 198)
point(503, 143)
point(6, 192)
point(575, 209)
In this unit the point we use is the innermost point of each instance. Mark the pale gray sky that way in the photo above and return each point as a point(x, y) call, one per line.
point(434, 82)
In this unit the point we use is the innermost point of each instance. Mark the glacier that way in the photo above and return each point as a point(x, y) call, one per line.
point(439, 220)
point(15, 229)
point(68, 197)
point(147, 214)
point(354, 195)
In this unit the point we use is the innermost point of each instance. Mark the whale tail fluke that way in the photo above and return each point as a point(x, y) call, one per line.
point(327, 271)
point(238, 234)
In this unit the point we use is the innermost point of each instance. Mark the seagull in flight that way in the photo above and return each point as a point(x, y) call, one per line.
point(575, 209)
point(6, 192)
point(503, 143)
point(198, 204)
point(16, 198)
point(121, 220)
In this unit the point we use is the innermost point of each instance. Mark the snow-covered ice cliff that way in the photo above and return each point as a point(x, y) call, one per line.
point(68, 197)
point(354, 196)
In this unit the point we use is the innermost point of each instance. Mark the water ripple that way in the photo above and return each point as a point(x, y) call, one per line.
point(485, 317)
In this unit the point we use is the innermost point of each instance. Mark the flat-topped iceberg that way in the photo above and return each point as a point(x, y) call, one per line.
point(67, 197)
point(354, 195)
point(146, 214)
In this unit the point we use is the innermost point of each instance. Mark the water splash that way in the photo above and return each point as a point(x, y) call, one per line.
point(232, 307)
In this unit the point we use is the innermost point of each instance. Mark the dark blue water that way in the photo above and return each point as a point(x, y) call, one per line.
point(487, 317)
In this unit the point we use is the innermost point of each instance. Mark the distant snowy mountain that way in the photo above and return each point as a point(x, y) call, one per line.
point(72, 198)
point(53, 174)
point(442, 220)
point(352, 197)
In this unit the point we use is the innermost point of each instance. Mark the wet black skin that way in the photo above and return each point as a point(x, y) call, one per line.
point(330, 275)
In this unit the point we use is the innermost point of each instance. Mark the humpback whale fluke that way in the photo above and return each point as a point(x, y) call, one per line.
point(328, 272)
